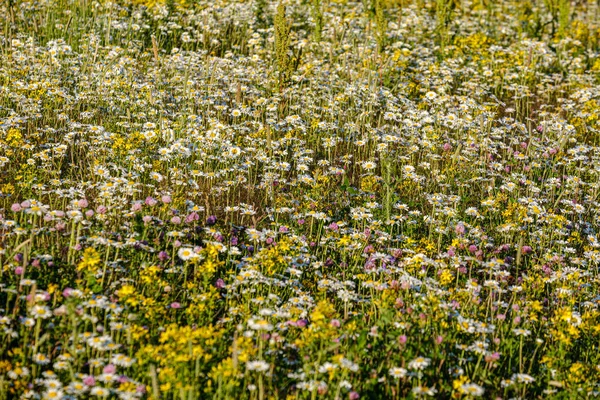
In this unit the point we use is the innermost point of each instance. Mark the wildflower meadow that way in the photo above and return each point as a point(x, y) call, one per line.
point(299, 199)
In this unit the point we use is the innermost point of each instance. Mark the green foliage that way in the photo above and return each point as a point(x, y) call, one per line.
point(260, 13)
point(564, 15)
point(380, 24)
point(443, 13)
point(283, 51)
point(317, 15)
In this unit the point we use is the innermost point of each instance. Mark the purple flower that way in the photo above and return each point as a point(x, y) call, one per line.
point(526, 249)
point(163, 256)
point(211, 220)
point(16, 207)
point(166, 199)
point(175, 305)
point(150, 201)
point(220, 284)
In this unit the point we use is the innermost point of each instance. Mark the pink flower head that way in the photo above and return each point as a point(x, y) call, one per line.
point(301, 323)
point(460, 229)
point(89, 381)
point(192, 217)
point(109, 369)
point(101, 209)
